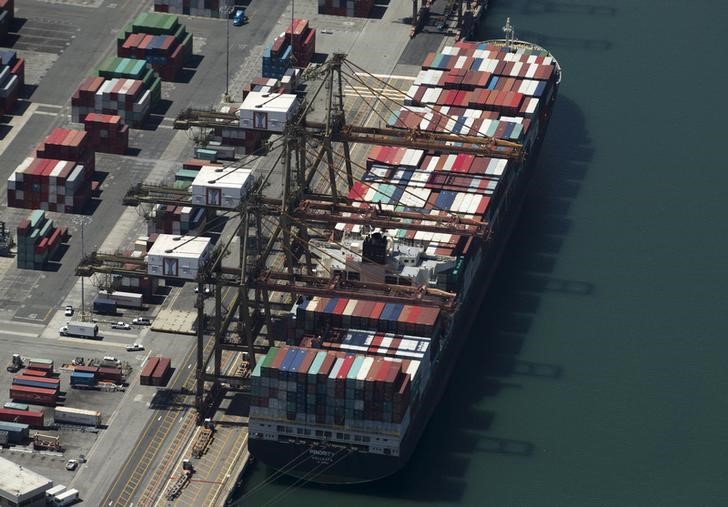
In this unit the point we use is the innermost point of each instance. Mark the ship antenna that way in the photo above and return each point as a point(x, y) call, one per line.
point(510, 33)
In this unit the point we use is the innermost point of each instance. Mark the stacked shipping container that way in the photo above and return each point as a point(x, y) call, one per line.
point(38, 240)
point(332, 388)
point(7, 13)
point(159, 39)
point(58, 177)
point(12, 79)
point(125, 87)
point(294, 47)
point(107, 133)
point(168, 219)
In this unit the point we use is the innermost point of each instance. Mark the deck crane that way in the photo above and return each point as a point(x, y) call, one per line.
point(295, 214)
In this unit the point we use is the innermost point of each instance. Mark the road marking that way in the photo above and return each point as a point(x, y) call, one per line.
point(19, 323)
point(96, 343)
point(21, 333)
point(385, 76)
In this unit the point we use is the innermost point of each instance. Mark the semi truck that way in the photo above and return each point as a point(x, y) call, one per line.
point(66, 498)
point(80, 329)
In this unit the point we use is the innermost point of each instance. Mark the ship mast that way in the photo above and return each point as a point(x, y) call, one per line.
point(510, 33)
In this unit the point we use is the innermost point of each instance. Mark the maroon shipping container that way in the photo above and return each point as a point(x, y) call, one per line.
point(33, 395)
point(36, 373)
point(160, 376)
point(110, 374)
point(40, 366)
point(29, 417)
point(149, 367)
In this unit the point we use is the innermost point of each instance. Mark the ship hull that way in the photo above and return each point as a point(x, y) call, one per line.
point(310, 461)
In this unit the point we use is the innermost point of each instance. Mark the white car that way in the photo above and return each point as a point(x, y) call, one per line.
point(134, 347)
point(69, 311)
point(141, 321)
point(207, 290)
point(120, 325)
point(71, 464)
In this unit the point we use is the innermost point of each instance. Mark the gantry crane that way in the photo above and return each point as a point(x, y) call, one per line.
point(297, 214)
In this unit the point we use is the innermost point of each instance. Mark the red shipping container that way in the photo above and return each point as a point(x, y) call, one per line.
point(149, 367)
point(29, 417)
point(50, 382)
point(33, 395)
point(35, 373)
point(160, 375)
point(110, 374)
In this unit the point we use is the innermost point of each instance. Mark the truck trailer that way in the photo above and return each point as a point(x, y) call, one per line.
point(68, 415)
point(80, 329)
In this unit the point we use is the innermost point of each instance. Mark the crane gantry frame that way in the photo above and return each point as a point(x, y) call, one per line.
point(299, 209)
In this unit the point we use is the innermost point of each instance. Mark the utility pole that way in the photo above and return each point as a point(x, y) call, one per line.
point(225, 11)
point(82, 221)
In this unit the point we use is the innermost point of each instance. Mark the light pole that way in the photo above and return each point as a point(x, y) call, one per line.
point(82, 220)
point(225, 11)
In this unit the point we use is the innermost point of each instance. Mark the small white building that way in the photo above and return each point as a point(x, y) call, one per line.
point(20, 486)
point(221, 186)
point(178, 256)
point(268, 111)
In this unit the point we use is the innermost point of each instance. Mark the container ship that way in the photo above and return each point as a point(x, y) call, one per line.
point(347, 398)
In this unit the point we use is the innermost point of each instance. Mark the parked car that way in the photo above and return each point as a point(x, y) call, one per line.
point(120, 325)
point(239, 17)
point(69, 311)
point(141, 321)
point(134, 347)
point(206, 290)
point(71, 464)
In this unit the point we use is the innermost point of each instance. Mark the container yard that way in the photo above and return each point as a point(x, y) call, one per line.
point(355, 363)
point(160, 40)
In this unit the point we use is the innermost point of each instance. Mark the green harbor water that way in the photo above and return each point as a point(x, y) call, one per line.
point(597, 373)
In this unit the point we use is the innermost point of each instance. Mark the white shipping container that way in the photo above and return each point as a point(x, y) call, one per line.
point(68, 415)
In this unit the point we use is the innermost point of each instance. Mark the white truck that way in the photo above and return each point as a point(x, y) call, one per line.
point(80, 329)
point(66, 498)
point(68, 415)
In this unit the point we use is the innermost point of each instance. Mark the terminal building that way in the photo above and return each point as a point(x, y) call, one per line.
point(21, 487)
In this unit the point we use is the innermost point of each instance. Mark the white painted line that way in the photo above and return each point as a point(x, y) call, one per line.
point(91, 342)
point(19, 323)
point(20, 333)
point(47, 113)
point(385, 76)
point(16, 124)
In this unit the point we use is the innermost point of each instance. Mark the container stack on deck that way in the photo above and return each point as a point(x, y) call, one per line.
point(58, 177)
point(361, 365)
point(12, 79)
point(324, 387)
point(107, 133)
point(7, 13)
point(38, 241)
point(126, 87)
point(350, 8)
point(204, 8)
point(159, 39)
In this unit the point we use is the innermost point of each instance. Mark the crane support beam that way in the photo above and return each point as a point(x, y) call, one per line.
point(332, 213)
point(328, 287)
point(426, 140)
